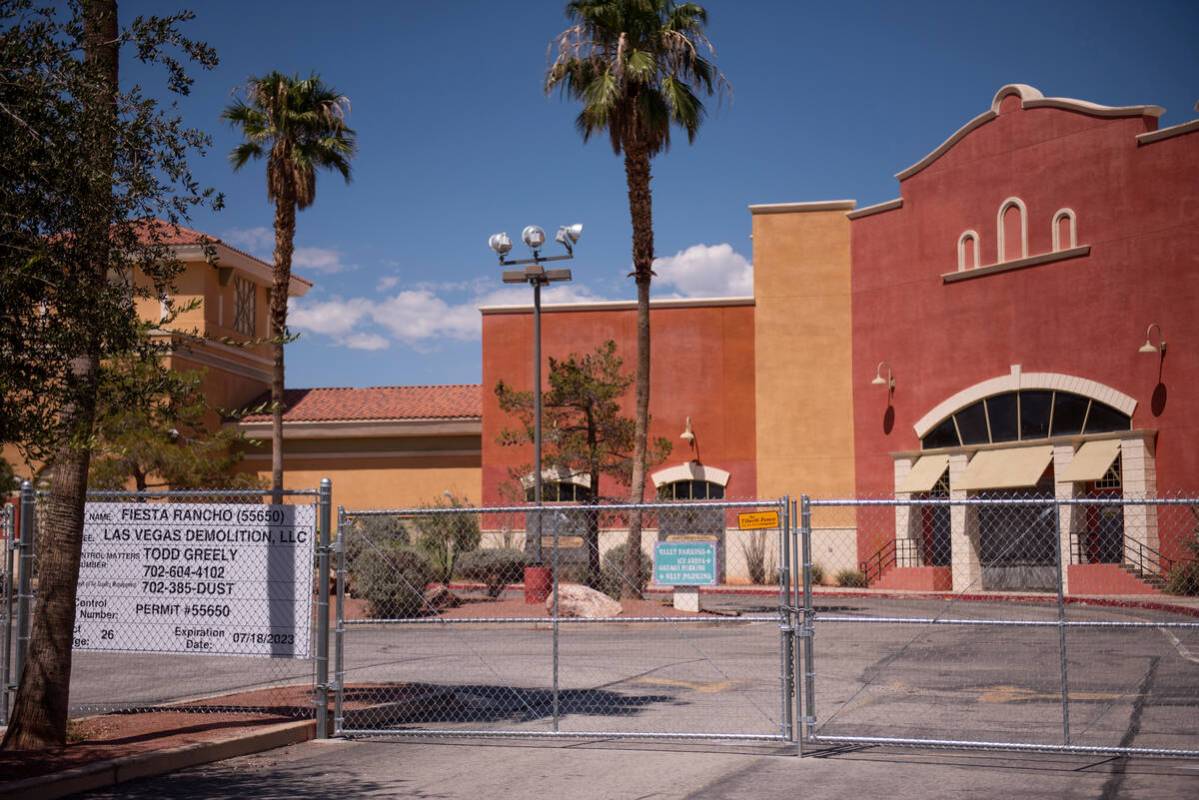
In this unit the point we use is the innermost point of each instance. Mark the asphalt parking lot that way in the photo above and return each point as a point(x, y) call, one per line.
point(1128, 687)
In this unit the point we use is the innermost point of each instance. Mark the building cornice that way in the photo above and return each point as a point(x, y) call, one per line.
point(1168, 133)
point(223, 257)
point(792, 208)
point(877, 208)
point(1030, 97)
point(365, 429)
point(622, 305)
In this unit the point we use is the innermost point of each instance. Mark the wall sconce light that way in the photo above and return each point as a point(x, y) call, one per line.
point(688, 436)
point(1149, 347)
point(879, 380)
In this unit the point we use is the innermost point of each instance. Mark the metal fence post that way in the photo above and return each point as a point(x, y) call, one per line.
point(324, 500)
point(25, 592)
point(808, 634)
point(1061, 623)
point(340, 628)
point(554, 579)
point(6, 656)
point(786, 621)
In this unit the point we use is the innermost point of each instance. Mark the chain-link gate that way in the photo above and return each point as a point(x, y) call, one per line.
point(200, 601)
point(491, 649)
point(1016, 622)
point(7, 596)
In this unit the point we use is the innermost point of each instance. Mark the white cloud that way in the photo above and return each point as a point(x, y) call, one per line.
point(366, 341)
point(706, 271)
point(258, 240)
point(335, 317)
point(387, 282)
point(416, 317)
point(318, 259)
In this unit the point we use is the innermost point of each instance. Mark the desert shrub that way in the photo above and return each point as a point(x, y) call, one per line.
point(753, 547)
point(497, 568)
point(1183, 579)
point(852, 578)
point(392, 577)
point(444, 538)
point(817, 575)
point(612, 578)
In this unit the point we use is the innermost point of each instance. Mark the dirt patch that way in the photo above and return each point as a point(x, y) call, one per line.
point(127, 733)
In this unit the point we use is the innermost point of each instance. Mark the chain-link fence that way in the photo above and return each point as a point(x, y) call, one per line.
point(537, 622)
point(1014, 621)
point(7, 598)
point(205, 601)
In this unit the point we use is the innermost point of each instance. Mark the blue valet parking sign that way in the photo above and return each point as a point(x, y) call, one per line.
point(685, 563)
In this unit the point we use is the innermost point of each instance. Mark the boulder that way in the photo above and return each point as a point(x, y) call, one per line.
point(576, 600)
point(438, 596)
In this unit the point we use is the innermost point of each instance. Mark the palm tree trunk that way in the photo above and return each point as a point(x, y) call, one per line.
point(285, 232)
point(637, 175)
point(39, 717)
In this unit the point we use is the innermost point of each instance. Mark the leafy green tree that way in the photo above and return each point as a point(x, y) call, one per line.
point(154, 427)
point(586, 432)
point(92, 180)
point(298, 125)
point(637, 67)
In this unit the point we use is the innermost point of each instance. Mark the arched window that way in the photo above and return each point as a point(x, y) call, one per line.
point(1025, 415)
point(1065, 230)
point(1012, 230)
point(560, 492)
point(690, 490)
point(968, 251)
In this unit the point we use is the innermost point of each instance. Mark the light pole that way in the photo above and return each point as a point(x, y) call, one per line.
point(536, 276)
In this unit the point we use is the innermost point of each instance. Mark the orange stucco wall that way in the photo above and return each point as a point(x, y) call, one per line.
point(803, 346)
point(702, 367)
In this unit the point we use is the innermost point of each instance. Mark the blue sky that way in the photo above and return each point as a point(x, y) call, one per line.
point(457, 141)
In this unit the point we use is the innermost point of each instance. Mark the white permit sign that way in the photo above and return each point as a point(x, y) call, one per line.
point(204, 578)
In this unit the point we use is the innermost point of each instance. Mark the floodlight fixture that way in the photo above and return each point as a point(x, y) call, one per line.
point(500, 243)
point(533, 236)
point(569, 234)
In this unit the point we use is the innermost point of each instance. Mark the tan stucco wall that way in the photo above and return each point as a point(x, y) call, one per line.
point(803, 332)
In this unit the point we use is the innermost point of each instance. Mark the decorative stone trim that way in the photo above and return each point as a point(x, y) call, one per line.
point(557, 475)
point(1057, 218)
point(1020, 263)
point(973, 236)
point(621, 305)
point(690, 471)
point(877, 208)
point(1001, 233)
point(1025, 380)
point(788, 208)
point(1167, 133)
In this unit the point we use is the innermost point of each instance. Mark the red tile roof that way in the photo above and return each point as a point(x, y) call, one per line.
point(451, 401)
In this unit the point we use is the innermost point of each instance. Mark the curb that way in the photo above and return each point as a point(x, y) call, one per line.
point(102, 774)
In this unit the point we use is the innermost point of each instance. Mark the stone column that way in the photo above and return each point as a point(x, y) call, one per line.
point(907, 519)
point(965, 564)
point(1071, 519)
point(1139, 477)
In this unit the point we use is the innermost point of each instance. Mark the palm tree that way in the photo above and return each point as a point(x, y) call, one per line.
point(637, 67)
point(298, 125)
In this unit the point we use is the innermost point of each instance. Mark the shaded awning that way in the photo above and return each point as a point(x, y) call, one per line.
point(1010, 468)
point(925, 474)
point(1092, 461)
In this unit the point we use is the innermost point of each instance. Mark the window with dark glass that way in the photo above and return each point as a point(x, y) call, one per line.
point(1103, 418)
point(1026, 415)
point(1002, 415)
point(690, 490)
point(560, 492)
point(1034, 414)
point(972, 424)
point(1069, 412)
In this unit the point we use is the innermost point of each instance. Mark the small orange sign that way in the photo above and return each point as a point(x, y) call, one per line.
point(757, 520)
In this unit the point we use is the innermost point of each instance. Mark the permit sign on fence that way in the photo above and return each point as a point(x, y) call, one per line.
point(685, 563)
point(203, 578)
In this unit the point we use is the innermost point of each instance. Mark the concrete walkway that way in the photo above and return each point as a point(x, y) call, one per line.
point(599, 770)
